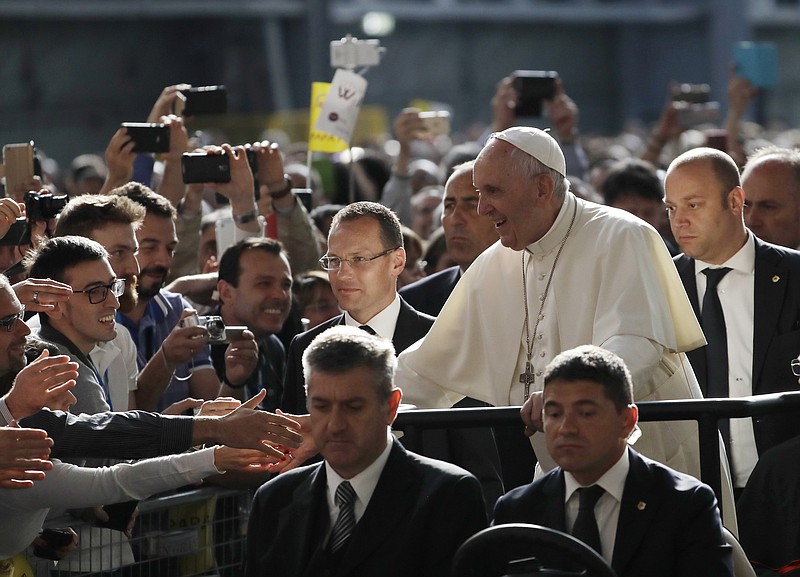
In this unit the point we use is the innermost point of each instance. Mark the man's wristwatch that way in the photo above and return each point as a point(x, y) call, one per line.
point(245, 218)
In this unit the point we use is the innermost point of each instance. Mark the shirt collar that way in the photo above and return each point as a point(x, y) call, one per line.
point(743, 261)
point(383, 323)
point(613, 480)
point(363, 483)
point(553, 237)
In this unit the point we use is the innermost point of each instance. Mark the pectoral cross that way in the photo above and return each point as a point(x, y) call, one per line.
point(527, 378)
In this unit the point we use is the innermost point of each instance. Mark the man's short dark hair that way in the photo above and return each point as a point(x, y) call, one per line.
point(391, 231)
point(229, 265)
point(153, 202)
point(592, 363)
point(342, 348)
point(725, 171)
point(90, 212)
point(632, 176)
point(53, 258)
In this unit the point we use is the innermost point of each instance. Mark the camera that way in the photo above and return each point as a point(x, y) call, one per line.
point(691, 93)
point(696, 114)
point(202, 100)
point(533, 88)
point(43, 205)
point(148, 136)
point(351, 52)
point(218, 333)
point(38, 206)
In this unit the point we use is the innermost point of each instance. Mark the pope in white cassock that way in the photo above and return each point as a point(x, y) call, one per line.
point(565, 273)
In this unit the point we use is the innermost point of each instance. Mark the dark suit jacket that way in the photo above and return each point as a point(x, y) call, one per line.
point(669, 523)
point(430, 293)
point(411, 326)
point(418, 516)
point(776, 333)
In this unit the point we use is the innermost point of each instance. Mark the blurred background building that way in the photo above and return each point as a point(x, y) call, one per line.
point(72, 70)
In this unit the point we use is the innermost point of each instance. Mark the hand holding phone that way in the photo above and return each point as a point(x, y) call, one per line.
point(533, 88)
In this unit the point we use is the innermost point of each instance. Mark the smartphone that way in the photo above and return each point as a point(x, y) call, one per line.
point(119, 515)
point(18, 160)
point(201, 100)
point(434, 123)
point(147, 136)
point(717, 138)
point(691, 93)
point(533, 88)
point(696, 114)
point(758, 62)
point(202, 167)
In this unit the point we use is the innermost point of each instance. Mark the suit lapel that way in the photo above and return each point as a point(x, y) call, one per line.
point(637, 513)
point(393, 499)
point(410, 327)
point(305, 522)
point(555, 512)
point(697, 357)
point(771, 281)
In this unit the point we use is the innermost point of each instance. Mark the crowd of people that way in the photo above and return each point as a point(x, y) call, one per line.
point(568, 274)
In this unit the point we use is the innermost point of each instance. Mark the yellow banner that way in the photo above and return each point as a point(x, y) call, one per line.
point(319, 141)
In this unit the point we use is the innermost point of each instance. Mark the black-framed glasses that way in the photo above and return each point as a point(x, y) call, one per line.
point(99, 293)
point(9, 323)
point(335, 262)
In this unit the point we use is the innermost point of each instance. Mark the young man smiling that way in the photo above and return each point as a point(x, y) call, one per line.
point(87, 318)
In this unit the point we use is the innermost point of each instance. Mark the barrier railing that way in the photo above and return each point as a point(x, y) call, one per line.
point(706, 412)
point(184, 534)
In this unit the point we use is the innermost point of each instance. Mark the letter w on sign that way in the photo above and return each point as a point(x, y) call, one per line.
point(342, 105)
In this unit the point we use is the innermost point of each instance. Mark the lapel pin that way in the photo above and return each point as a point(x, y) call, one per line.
point(641, 505)
point(776, 278)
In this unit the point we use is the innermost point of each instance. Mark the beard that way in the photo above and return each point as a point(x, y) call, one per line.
point(130, 298)
point(146, 292)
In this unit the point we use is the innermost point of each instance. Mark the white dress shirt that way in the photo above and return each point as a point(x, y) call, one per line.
point(363, 484)
point(737, 296)
point(606, 511)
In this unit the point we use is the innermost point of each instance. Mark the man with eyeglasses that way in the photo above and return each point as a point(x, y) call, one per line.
point(365, 256)
point(87, 318)
point(112, 220)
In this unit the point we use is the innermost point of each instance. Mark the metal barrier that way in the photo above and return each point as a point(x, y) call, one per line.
point(196, 532)
point(202, 531)
point(706, 412)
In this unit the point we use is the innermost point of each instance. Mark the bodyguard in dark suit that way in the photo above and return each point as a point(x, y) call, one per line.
point(644, 518)
point(365, 257)
point(759, 296)
point(466, 233)
point(411, 326)
point(370, 508)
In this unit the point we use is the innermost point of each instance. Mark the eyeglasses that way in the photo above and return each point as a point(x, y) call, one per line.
point(99, 293)
point(10, 322)
point(335, 263)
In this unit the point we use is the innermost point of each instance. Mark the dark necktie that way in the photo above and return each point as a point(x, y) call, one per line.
point(368, 329)
point(713, 322)
point(585, 527)
point(345, 498)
